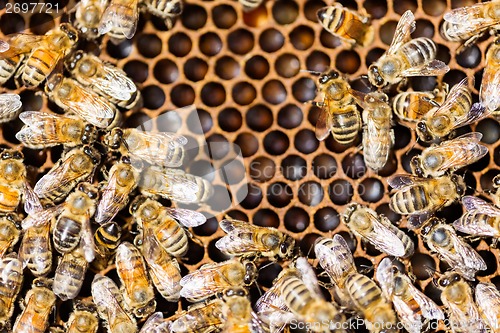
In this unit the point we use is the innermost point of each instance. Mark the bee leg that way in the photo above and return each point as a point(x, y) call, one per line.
point(494, 243)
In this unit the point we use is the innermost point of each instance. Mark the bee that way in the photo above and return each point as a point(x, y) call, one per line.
point(36, 248)
point(9, 66)
point(350, 26)
point(165, 9)
point(378, 230)
point(371, 304)
point(249, 5)
point(10, 104)
point(156, 324)
point(9, 232)
point(175, 185)
point(456, 295)
point(38, 304)
point(11, 281)
point(164, 270)
point(43, 129)
point(71, 96)
point(449, 155)
point(88, 15)
point(106, 239)
point(442, 239)
point(201, 318)
point(13, 185)
point(411, 106)
point(456, 33)
point(488, 303)
point(378, 135)
point(456, 111)
point(245, 239)
point(108, 300)
point(339, 114)
point(136, 288)
point(213, 278)
point(418, 197)
point(75, 166)
point(239, 315)
point(489, 91)
point(83, 318)
point(480, 219)
point(103, 78)
point(70, 272)
point(158, 148)
point(406, 58)
point(272, 309)
point(119, 20)
point(414, 309)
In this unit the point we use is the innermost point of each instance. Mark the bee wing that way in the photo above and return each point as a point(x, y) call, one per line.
point(176, 186)
point(471, 17)
point(335, 257)
point(272, 310)
point(114, 82)
point(40, 218)
point(235, 226)
point(110, 202)
point(405, 27)
point(114, 16)
point(474, 203)
point(152, 323)
point(464, 319)
point(104, 299)
point(308, 276)
point(87, 240)
point(384, 238)
point(488, 302)
point(21, 44)
point(35, 131)
point(451, 99)
point(9, 104)
point(205, 282)
point(188, 218)
point(234, 244)
point(385, 277)
point(429, 309)
point(24, 248)
point(489, 93)
point(91, 108)
point(324, 123)
point(477, 112)
point(401, 181)
point(433, 68)
point(477, 226)
point(32, 203)
point(149, 153)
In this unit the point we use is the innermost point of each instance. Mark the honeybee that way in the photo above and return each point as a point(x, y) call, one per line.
point(240, 317)
point(108, 299)
point(488, 303)
point(456, 111)
point(123, 178)
point(119, 20)
point(406, 58)
point(414, 309)
point(43, 129)
point(249, 5)
point(106, 240)
point(456, 295)
point(156, 324)
point(449, 155)
point(164, 270)
point(245, 239)
point(213, 278)
point(70, 272)
point(378, 230)
point(105, 79)
point(489, 91)
point(158, 148)
point(419, 196)
point(36, 248)
point(411, 106)
point(10, 104)
point(74, 167)
point(9, 232)
point(9, 66)
point(442, 239)
point(339, 114)
point(166, 9)
point(480, 219)
point(13, 185)
point(272, 309)
point(11, 280)
point(456, 33)
point(83, 318)
point(136, 288)
point(201, 318)
point(88, 15)
point(38, 304)
point(350, 26)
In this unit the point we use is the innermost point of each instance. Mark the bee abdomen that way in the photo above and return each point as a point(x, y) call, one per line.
point(8, 68)
point(419, 51)
point(39, 65)
point(409, 201)
point(174, 240)
point(409, 106)
point(362, 290)
point(66, 234)
point(69, 276)
point(345, 126)
point(295, 294)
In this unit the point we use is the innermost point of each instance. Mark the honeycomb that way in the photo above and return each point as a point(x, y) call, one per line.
point(245, 74)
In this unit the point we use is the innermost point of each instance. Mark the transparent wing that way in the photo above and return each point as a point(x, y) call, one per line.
point(233, 244)
point(21, 44)
point(87, 240)
point(405, 27)
point(451, 99)
point(429, 309)
point(157, 148)
point(472, 203)
point(91, 108)
point(470, 18)
point(489, 93)
point(324, 123)
point(188, 218)
point(488, 301)
point(402, 181)
point(9, 104)
point(121, 16)
point(112, 200)
point(38, 128)
point(103, 296)
point(151, 325)
point(477, 112)
point(32, 203)
point(433, 68)
point(114, 83)
point(308, 276)
point(335, 257)
point(206, 281)
point(384, 238)
point(385, 277)
point(40, 218)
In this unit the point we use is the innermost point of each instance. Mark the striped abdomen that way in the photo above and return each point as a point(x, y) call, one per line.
point(10, 197)
point(172, 237)
point(8, 67)
point(130, 103)
point(377, 145)
point(410, 106)
point(411, 200)
point(346, 125)
point(35, 316)
point(164, 8)
point(418, 52)
point(66, 234)
point(10, 285)
point(39, 64)
point(296, 295)
point(362, 290)
point(36, 250)
point(470, 220)
point(69, 276)
point(346, 24)
point(201, 318)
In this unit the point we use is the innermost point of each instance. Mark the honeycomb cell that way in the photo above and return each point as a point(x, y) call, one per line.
point(470, 57)
point(240, 41)
point(443, 53)
point(287, 65)
point(307, 245)
point(232, 172)
point(214, 253)
point(373, 55)
point(423, 266)
point(210, 44)
point(318, 61)
point(200, 121)
point(293, 167)
point(311, 193)
point(224, 16)
point(31, 100)
point(169, 122)
point(326, 219)
point(208, 228)
point(279, 194)
point(311, 7)
point(166, 71)
point(302, 37)
point(491, 263)
point(179, 44)
point(119, 51)
point(427, 83)
point(213, 94)
point(257, 67)
point(328, 40)
point(376, 9)
point(256, 17)
point(290, 116)
point(149, 45)
point(385, 210)
point(40, 23)
point(218, 145)
point(402, 6)
point(324, 166)
point(219, 201)
point(271, 40)
point(138, 71)
point(227, 68)
point(259, 117)
point(490, 130)
point(230, 119)
point(195, 253)
point(285, 12)
point(262, 169)
point(390, 167)
point(238, 215)
point(434, 7)
point(304, 90)
point(454, 76)
point(305, 141)
point(461, 3)
point(354, 166)
point(202, 168)
point(296, 219)
point(371, 190)
point(340, 191)
point(481, 164)
point(424, 28)
point(274, 92)
point(403, 135)
point(406, 158)
point(387, 31)
point(35, 157)
point(11, 23)
point(139, 119)
point(153, 97)
point(348, 62)
point(196, 19)
point(244, 93)
point(195, 69)
point(248, 144)
point(266, 218)
point(182, 95)
point(268, 272)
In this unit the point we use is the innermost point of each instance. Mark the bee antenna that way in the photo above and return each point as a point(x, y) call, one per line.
point(310, 72)
point(266, 265)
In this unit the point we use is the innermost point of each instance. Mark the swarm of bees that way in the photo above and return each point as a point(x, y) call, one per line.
point(65, 225)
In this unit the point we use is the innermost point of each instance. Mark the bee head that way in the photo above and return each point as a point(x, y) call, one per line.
point(146, 310)
point(416, 166)
point(71, 32)
point(74, 59)
point(286, 247)
point(328, 76)
point(89, 189)
point(136, 203)
point(448, 279)
point(496, 181)
point(235, 291)
point(53, 81)
point(93, 153)
point(429, 225)
point(423, 132)
point(374, 76)
point(114, 139)
point(89, 134)
point(349, 211)
point(459, 184)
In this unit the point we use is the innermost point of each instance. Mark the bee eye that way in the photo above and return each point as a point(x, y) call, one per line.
point(284, 248)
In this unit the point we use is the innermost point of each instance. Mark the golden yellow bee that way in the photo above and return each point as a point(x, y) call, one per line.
point(239, 315)
point(350, 26)
point(106, 239)
point(136, 288)
point(43, 129)
point(404, 58)
point(83, 318)
point(88, 15)
point(38, 304)
point(480, 219)
point(119, 20)
point(157, 324)
point(11, 270)
point(201, 318)
point(36, 248)
point(9, 66)
point(70, 272)
point(9, 232)
point(166, 9)
point(456, 33)
point(490, 87)
point(488, 303)
point(13, 185)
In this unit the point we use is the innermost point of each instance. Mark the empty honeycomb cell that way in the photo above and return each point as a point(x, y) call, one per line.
point(354, 166)
point(238, 215)
point(302, 37)
point(165, 71)
point(257, 67)
point(240, 41)
point(268, 273)
point(326, 219)
point(210, 44)
point(491, 263)
point(370, 250)
point(139, 119)
point(232, 172)
point(195, 69)
point(490, 130)
point(376, 9)
point(318, 61)
point(256, 17)
point(290, 116)
point(424, 28)
point(179, 44)
point(402, 135)
point(386, 31)
point(373, 55)
point(230, 119)
point(311, 193)
point(213, 94)
point(262, 169)
point(304, 89)
point(340, 191)
point(470, 57)
point(253, 197)
point(40, 23)
point(149, 45)
point(454, 76)
point(406, 158)
point(196, 19)
point(182, 95)
point(227, 68)
point(121, 50)
point(434, 7)
point(402, 6)
point(461, 3)
point(313, 114)
point(486, 180)
point(153, 96)
point(425, 83)
point(324, 166)
point(274, 92)
point(266, 218)
point(287, 65)
point(195, 253)
point(11, 23)
point(293, 167)
point(285, 12)
point(481, 164)
point(138, 70)
point(305, 141)
point(243, 93)
point(311, 7)
point(478, 78)
point(306, 245)
point(214, 253)
point(218, 146)
point(35, 157)
point(224, 16)
point(160, 23)
point(296, 219)
point(390, 166)
point(496, 155)
point(336, 147)
point(347, 61)
point(371, 190)
point(31, 100)
point(443, 53)
point(169, 122)
point(384, 209)
point(423, 266)
point(271, 40)
point(203, 169)
point(218, 201)
point(328, 40)
point(248, 144)
point(470, 181)
point(279, 194)
point(199, 121)
point(259, 117)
